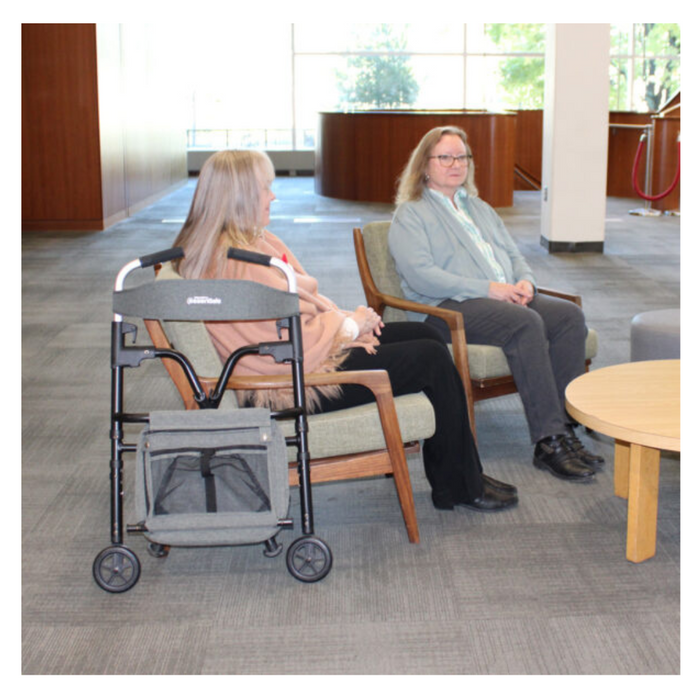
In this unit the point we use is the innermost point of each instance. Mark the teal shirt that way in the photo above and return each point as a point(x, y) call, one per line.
point(434, 258)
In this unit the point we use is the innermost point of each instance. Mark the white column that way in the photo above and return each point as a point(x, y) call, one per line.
point(575, 137)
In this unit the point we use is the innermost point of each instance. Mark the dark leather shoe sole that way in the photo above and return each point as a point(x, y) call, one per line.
point(499, 486)
point(482, 505)
point(564, 474)
point(488, 505)
point(489, 501)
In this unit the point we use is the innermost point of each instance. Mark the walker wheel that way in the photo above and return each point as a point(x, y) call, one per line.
point(157, 550)
point(309, 559)
point(116, 569)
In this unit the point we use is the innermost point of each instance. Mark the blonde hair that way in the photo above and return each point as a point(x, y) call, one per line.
point(413, 179)
point(224, 211)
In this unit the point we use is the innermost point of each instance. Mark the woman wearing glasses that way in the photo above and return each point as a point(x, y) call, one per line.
point(452, 250)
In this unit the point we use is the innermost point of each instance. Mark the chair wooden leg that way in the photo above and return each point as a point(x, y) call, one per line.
point(472, 418)
point(404, 490)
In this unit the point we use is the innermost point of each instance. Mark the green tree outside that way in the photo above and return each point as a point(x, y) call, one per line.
point(656, 69)
point(659, 74)
point(381, 81)
point(656, 49)
point(381, 76)
point(521, 77)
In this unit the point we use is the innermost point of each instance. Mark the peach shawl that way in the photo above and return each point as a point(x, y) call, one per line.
point(325, 345)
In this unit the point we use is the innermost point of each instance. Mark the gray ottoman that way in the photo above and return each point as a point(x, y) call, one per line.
point(656, 335)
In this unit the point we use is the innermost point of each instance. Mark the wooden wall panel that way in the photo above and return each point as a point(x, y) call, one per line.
point(60, 134)
point(623, 141)
point(528, 149)
point(103, 122)
point(360, 156)
point(666, 133)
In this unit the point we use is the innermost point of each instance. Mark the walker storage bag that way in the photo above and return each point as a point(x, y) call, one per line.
point(211, 477)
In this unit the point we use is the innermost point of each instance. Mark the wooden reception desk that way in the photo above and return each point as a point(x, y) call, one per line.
point(360, 155)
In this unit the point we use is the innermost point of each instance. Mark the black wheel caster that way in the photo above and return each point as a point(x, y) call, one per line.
point(309, 559)
point(116, 569)
point(158, 550)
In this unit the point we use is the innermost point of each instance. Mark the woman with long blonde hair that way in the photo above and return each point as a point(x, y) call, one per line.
point(231, 207)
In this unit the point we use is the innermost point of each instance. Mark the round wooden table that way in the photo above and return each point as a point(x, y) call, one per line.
point(639, 405)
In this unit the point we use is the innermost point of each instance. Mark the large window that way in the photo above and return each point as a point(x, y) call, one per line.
point(645, 65)
point(265, 90)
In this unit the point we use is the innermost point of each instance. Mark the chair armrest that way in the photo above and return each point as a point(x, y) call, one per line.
point(575, 298)
point(455, 322)
point(450, 316)
point(376, 380)
point(453, 319)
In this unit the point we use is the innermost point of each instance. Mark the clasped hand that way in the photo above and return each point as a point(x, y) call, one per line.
point(368, 320)
point(520, 293)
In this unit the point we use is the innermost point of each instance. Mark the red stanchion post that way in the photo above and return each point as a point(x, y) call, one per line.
point(646, 196)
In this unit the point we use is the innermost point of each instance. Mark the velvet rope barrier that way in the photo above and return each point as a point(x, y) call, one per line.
point(635, 170)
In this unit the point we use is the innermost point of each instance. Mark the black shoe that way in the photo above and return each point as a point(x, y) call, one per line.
point(499, 486)
point(556, 456)
point(589, 459)
point(489, 501)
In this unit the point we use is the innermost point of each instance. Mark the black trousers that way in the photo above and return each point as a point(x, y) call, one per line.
point(417, 359)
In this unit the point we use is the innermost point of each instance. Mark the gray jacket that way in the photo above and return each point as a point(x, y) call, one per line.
point(437, 260)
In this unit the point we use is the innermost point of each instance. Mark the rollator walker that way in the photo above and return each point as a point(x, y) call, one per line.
point(216, 476)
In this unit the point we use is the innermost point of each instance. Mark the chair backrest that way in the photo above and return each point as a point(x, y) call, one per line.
point(191, 338)
point(382, 266)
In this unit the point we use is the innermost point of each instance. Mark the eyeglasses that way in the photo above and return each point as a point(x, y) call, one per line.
point(448, 161)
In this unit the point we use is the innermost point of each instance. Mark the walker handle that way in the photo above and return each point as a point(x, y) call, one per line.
point(161, 257)
point(268, 261)
point(249, 256)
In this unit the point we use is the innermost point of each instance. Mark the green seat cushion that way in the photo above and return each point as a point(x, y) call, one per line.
point(488, 361)
point(359, 429)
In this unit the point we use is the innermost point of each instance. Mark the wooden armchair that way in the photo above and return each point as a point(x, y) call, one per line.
point(351, 443)
point(483, 368)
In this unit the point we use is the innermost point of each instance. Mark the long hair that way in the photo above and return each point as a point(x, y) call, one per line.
point(413, 179)
point(224, 210)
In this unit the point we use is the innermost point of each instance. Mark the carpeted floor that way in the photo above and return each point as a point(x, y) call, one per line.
point(541, 589)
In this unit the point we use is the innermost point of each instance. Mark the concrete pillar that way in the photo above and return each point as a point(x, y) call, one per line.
point(575, 137)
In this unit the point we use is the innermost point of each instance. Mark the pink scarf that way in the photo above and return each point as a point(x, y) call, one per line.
point(325, 345)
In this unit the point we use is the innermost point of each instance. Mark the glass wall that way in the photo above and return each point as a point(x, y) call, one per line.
point(264, 89)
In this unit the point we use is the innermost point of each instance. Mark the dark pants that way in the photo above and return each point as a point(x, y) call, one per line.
point(544, 343)
point(417, 359)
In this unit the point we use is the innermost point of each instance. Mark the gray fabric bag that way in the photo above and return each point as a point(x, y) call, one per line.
point(211, 477)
